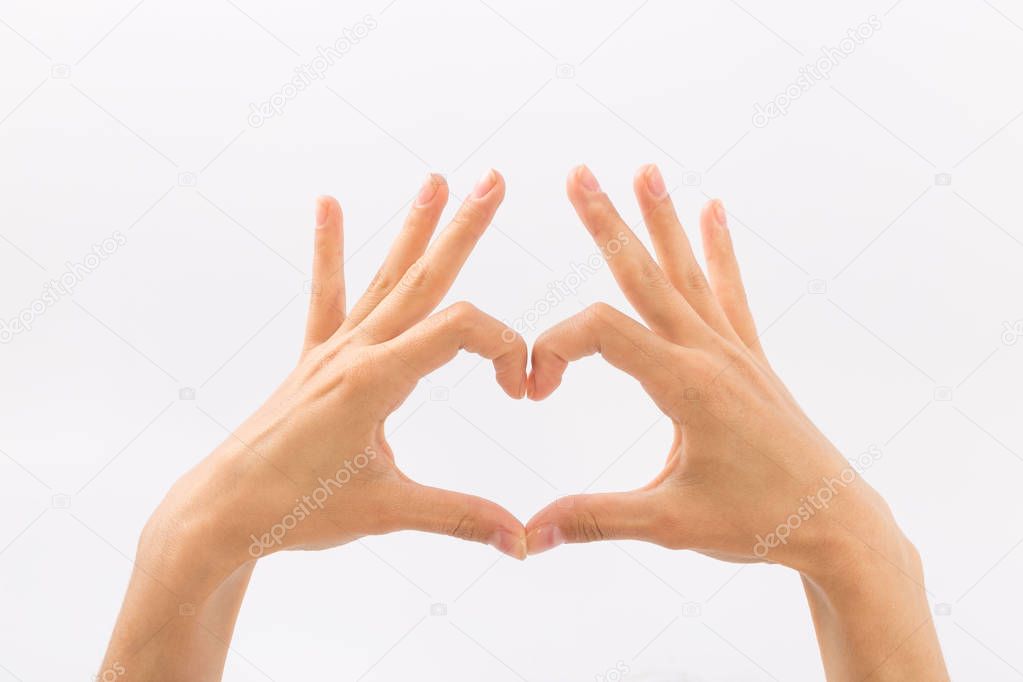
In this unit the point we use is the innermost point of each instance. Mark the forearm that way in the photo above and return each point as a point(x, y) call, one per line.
point(182, 601)
point(872, 617)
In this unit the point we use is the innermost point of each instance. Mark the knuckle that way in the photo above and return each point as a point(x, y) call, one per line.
point(602, 216)
point(598, 314)
point(471, 216)
point(464, 527)
point(360, 373)
point(695, 280)
point(651, 275)
point(382, 281)
point(518, 343)
point(461, 314)
point(415, 277)
point(588, 529)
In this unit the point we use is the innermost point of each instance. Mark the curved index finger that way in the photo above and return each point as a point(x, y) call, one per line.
point(427, 280)
point(640, 277)
point(622, 341)
point(436, 340)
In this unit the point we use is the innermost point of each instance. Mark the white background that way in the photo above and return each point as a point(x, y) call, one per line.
point(109, 109)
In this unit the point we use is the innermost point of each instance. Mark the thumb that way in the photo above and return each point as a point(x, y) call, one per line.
point(467, 517)
point(587, 518)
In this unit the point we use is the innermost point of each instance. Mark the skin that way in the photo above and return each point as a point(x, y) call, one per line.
point(745, 457)
point(315, 452)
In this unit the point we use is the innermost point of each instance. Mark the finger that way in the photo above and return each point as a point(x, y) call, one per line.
point(327, 296)
point(436, 340)
point(410, 244)
point(725, 279)
point(427, 280)
point(631, 515)
point(622, 341)
point(468, 517)
point(674, 252)
point(638, 275)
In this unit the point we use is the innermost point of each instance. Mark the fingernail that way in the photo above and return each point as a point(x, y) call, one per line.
point(587, 179)
point(719, 213)
point(429, 190)
point(485, 184)
point(544, 538)
point(655, 181)
point(322, 208)
point(512, 544)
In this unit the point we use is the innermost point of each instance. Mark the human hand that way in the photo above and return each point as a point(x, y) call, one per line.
point(745, 457)
point(312, 467)
point(748, 476)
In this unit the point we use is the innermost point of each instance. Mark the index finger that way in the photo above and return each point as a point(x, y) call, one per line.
point(427, 280)
point(640, 277)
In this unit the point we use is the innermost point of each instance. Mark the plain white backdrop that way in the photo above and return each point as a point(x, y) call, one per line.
point(878, 223)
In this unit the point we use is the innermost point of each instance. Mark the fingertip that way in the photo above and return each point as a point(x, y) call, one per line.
point(544, 376)
point(714, 228)
point(531, 386)
point(490, 187)
point(509, 543)
point(515, 364)
point(327, 211)
point(514, 388)
point(713, 216)
point(433, 190)
point(543, 538)
point(720, 214)
point(582, 181)
point(649, 182)
point(543, 387)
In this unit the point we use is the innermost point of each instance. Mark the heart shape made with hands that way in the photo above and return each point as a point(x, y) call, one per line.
point(698, 357)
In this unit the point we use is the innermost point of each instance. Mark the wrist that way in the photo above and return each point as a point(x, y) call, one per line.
point(190, 543)
point(849, 556)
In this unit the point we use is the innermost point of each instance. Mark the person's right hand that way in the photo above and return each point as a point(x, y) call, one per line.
point(312, 467)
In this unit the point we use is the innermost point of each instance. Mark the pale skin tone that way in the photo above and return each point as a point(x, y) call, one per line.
point(745, 457)
point(743, 460)
point(326, 421)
